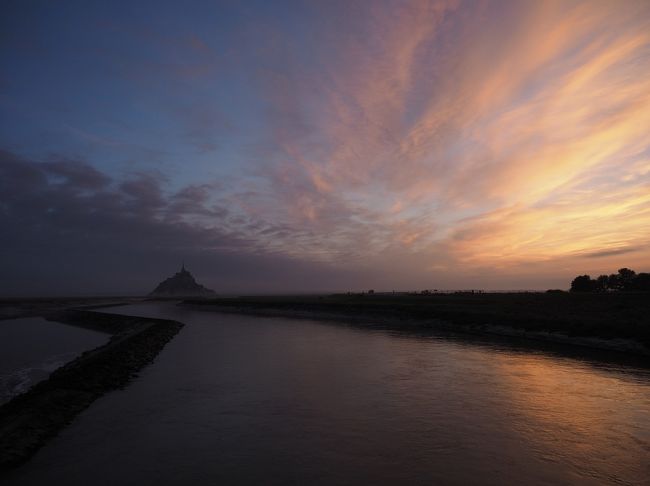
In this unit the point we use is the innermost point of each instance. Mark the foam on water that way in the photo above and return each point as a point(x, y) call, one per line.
point(31, 348)
point(20, 380)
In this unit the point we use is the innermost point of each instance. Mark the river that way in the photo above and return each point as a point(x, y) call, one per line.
point(235, 399)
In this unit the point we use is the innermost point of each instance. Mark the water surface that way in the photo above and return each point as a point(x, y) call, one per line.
point(32, 347)
point(248, 400)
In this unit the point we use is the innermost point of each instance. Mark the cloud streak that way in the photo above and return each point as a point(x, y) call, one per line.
point(497, 134)
point(413, 143)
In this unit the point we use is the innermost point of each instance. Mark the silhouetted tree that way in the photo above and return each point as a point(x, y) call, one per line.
point(583, 283)
point(614, 282)
point(625, 280)
point(626, 277)
point(602, 283)
point(641, 282)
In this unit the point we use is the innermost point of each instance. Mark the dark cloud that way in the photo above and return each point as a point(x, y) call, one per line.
point(607, 253)
point(143, 192)
point(77, 174)
point(195, 200)
point(70, 229)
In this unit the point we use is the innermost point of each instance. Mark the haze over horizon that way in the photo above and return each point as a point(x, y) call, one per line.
point(320, 146)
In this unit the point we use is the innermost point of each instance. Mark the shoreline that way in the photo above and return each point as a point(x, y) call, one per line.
point(30, 419)
point(408, 323)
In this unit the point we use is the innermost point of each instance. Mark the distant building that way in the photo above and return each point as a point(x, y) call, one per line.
point(182, 284)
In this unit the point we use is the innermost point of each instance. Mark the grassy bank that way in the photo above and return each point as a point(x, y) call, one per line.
point(621, 316)
point(30, 419)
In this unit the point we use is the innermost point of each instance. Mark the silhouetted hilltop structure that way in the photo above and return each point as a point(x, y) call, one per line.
point(182, 284)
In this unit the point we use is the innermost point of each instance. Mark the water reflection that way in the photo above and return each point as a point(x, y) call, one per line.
point(559, 405)
point(242, 400)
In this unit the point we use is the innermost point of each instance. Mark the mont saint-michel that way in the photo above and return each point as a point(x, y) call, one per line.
point(181, 284)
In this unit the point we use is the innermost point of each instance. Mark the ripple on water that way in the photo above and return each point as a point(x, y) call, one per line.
point(243, 400)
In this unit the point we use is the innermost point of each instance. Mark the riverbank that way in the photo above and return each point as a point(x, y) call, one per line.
point(30, 419)
point(616, 322)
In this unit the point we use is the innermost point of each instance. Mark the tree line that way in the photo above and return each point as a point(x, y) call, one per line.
point(624, 280)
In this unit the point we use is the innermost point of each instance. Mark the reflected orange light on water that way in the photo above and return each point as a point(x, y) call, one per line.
point(560, 405)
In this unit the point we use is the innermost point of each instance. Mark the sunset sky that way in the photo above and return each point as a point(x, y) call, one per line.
point(322, 145)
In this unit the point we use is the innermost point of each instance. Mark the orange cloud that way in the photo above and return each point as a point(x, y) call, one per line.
point(479, 134)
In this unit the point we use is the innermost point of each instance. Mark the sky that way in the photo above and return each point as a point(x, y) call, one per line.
point(311, 146)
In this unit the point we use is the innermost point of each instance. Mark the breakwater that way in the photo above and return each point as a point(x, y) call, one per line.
point(30, 419)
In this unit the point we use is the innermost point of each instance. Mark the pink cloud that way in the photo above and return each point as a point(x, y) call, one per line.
point(462, 135)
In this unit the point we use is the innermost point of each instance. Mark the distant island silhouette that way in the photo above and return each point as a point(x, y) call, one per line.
point(181, 284)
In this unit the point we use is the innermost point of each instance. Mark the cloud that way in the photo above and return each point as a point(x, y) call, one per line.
point(607, 253)
point(124, 237)
point(77, 174)
point(486, 132)
point(419, 143)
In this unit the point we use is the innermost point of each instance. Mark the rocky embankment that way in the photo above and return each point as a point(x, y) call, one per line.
point(30, 419)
